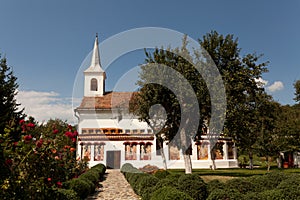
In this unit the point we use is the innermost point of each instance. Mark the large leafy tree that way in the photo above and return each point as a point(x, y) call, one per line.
point(161, 85)
point(240, 75)
point(9, 111)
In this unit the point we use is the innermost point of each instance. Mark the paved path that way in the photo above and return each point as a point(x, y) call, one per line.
point(115, 187)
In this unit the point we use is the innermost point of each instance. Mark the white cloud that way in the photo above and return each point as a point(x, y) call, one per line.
point(46, 105)
point(276, 86)
point(261, 82)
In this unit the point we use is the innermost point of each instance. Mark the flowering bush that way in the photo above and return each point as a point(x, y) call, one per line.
point(39, 160)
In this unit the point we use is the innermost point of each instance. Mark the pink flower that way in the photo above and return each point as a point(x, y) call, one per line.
point(49, 179)
point(59, 184)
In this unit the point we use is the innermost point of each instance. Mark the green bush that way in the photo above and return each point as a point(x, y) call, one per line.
point(135, 181)
point(91, 175)
point(161, 174)
point(80, 186)
point(267, 182)
point(243, 185)
point(146, 184)
point(101, 167)
point(126, 167)
point(169, 193)
point(225, 194)
point(66, 194)
point(193, 185)
point(166, 182)
point(214, 184)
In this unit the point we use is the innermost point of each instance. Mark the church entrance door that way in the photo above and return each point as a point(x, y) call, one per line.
point(113, 159)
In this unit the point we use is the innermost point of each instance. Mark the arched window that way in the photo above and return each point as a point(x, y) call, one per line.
point(94, 84)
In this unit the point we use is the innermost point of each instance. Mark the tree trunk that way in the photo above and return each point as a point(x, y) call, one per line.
point(250, 159)
point(279, 161)
point(268, 163)
point(185, 152)
point(163, 156)
point(213, 163)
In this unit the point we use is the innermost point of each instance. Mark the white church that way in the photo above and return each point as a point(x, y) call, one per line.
point(109, 134)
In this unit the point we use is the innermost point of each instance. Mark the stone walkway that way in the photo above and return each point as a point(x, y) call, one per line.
point(115, 187)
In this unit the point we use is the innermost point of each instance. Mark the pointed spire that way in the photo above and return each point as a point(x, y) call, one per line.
point(95, 62)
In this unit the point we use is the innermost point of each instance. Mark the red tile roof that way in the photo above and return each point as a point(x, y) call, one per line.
point(108, 101)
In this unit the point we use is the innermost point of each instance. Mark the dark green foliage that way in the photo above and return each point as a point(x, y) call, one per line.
point(91, 175)
point(297, 91)
point(170, 193)
point(80, 186)
point(66, 194)
point(243, 185)
point(161, 174)
point(101, 167)
point(127, 167)
point(193, 185)
point(214, 184)
point(225, 194)
point(146, 185)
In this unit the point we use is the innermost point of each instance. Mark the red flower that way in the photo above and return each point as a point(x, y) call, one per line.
point(39, 143)
point(59, 184)
point(55, 131)
point(74, 140)
point(27, 138)
point(15, 144)
point(8, 162)
point(30, 125)
point(75, 133)
point(70, 127)
point(68, 134)
point(22, 121)
point(49, 179)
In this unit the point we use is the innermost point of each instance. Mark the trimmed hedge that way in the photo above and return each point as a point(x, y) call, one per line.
point(67, 194)
point(161, 174)
point(169, 193)
point(193, 185)
point(86, 183)
point(225, 194)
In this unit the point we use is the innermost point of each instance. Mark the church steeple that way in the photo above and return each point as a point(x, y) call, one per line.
point(95, 62)
point(94, 76)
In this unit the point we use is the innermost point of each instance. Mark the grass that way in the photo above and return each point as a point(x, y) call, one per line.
point(236, 172)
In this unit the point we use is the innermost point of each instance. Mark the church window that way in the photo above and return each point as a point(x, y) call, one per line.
point(130, 151)
point(174, 153)
point(145, 151)
point(202, 151)
point(99, 152)
point(86, 152)
point(94, 85)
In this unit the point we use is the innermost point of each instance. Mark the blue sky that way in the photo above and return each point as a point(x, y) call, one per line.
point(46, 41)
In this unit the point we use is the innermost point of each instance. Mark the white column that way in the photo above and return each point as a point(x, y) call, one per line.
point(209, 153)
point(92, 152)
point(225, 151)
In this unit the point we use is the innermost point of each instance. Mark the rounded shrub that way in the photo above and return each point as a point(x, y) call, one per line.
point(161, 174)
point(225, 194)
point(135, 181)
point(243, 185)
point(193, 185)
point(66, 194)
point(146, 184)
point(101, 168)
point(214, 184)
point(166, 182)
point(126, 167)
point(91, 175)
point(80, 186)
point(169, 193)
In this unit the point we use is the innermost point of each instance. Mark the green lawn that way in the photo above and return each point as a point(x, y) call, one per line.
point(236, 172)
